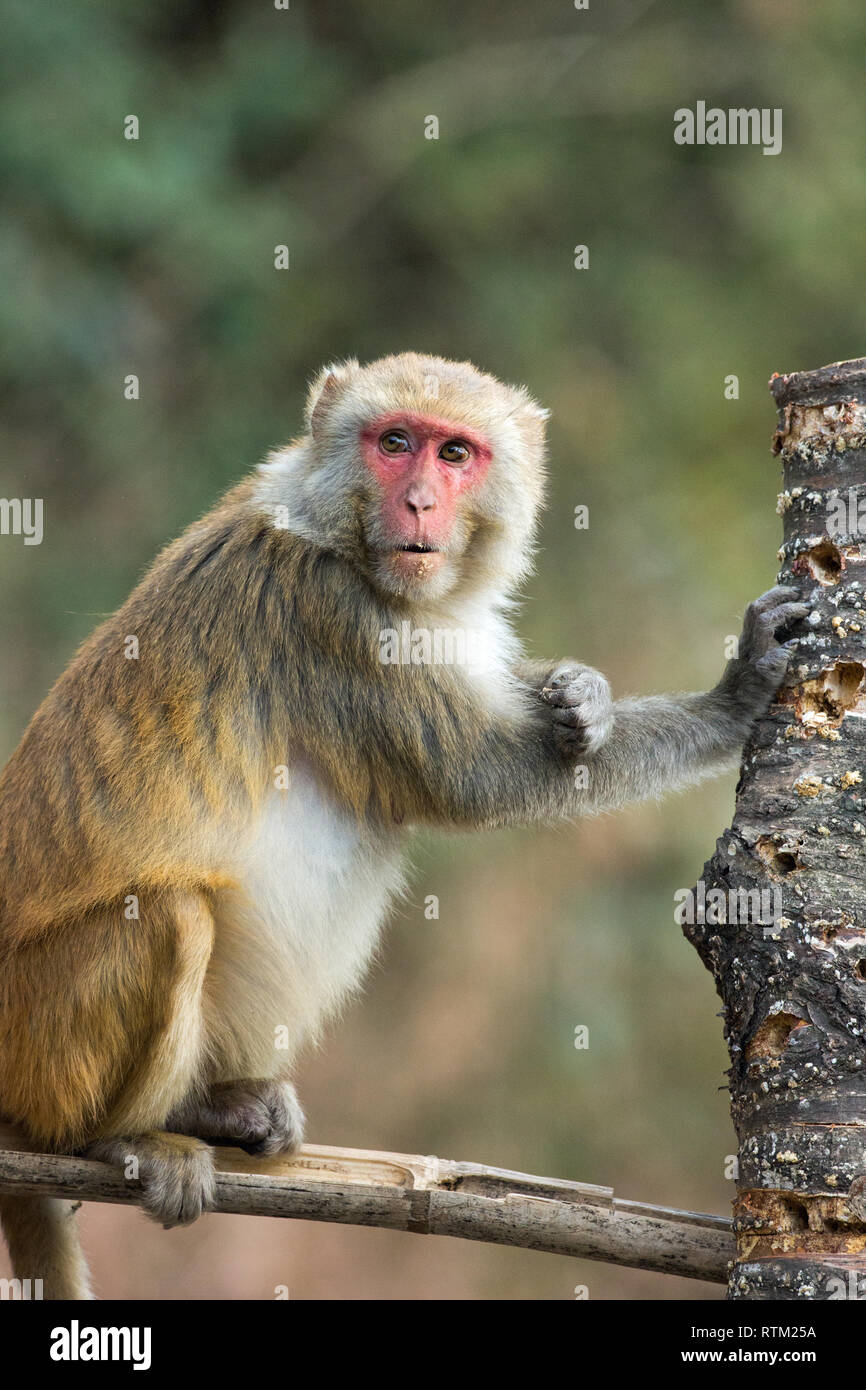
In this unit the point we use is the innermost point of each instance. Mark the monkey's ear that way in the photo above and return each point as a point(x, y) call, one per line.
point(531, 417)
point(324, 389)
point(530, 409)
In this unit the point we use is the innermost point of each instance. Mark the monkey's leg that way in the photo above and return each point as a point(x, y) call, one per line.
point(102, 1036)
point(102, 1020)
point(260, 1115)
point(175, 1171)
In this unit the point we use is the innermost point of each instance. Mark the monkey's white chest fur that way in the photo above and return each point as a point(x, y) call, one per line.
point(298, 934)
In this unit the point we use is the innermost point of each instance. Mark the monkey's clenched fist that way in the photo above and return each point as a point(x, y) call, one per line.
point(581, 709)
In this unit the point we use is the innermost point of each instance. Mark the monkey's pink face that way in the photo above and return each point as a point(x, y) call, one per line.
point(426, 470)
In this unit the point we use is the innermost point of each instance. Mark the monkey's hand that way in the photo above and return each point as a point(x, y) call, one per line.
point(581, 709)
point(753, 677)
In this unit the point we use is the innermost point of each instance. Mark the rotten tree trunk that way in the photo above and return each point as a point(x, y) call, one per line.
point(792, 979)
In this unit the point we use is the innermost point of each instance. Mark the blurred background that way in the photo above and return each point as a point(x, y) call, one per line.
point(305, 127)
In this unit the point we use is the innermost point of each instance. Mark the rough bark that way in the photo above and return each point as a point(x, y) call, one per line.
point(793, 981)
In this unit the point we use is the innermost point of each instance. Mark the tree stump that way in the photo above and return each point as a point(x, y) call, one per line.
point(793, 979)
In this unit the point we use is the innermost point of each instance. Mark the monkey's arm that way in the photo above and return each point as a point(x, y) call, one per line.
point(660, 743)
point(549, 768)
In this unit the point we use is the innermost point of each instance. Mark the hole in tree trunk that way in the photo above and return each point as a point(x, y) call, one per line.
point(825, 562)
point(771, 1038)
point(779, 856)
point(824, 700)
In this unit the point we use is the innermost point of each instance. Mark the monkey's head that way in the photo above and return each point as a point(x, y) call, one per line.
point(427, 474)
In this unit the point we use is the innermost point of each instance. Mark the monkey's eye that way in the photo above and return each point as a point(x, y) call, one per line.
point(393, 442)
point(454, 452)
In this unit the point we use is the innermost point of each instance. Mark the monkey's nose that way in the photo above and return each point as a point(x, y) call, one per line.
point(420, 502)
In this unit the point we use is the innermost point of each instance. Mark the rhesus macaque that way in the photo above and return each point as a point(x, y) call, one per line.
point(202, 829)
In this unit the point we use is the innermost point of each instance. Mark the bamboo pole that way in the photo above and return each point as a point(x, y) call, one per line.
point(424, 1195)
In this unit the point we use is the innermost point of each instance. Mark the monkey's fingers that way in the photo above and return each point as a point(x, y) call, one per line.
point(563, 695)
point(582, 687)
point(777, 609)
point(583, 728)
point(786, 615)
point(773, 665)
point(774, 597)
point(772, 623)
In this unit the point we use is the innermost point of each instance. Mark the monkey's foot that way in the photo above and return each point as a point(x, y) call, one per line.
point(260, 1116)
point(176, 1172)
point(581, 709)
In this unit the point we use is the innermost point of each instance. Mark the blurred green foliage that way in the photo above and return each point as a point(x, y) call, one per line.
point(305, 127)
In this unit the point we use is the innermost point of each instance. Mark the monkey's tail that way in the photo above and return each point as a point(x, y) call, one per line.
point(42, 1236)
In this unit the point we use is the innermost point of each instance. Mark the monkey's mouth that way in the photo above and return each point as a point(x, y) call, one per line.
point(416, 561)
